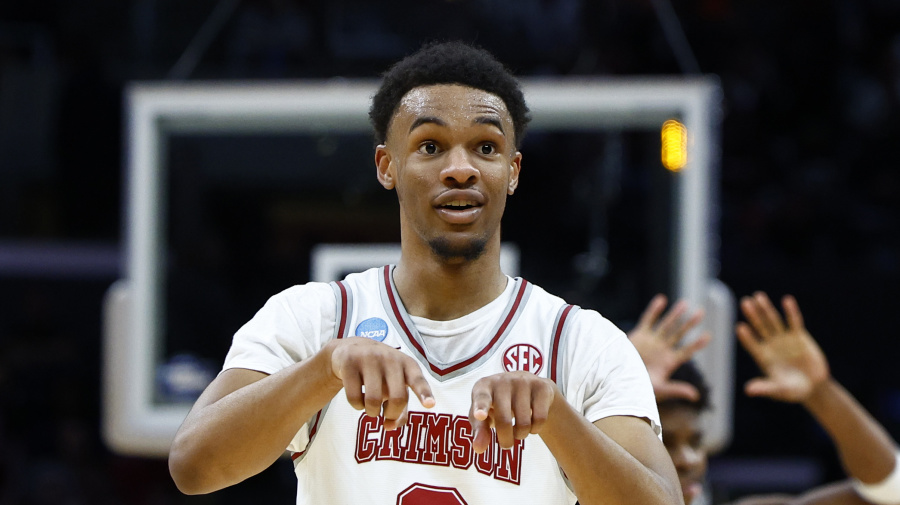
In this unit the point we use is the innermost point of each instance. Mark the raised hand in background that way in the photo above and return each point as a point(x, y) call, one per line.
point(792, 363)
point(658, 339)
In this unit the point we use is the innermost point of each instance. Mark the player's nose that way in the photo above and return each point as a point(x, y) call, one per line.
point(687, 458)
point(460, 171)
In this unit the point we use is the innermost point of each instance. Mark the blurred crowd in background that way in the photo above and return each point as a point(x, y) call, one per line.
point(810, 187)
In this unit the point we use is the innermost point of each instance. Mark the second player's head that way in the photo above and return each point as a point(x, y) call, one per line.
point(683, 433)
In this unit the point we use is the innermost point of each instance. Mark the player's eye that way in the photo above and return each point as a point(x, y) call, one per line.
point(487, 149)
point(428, 148)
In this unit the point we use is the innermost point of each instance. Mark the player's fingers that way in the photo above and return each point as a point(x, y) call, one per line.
point(398, 422)
point(480, 415)
point(792, 312)
point(396, 394)
point(768, 313)
point(373, 380)
point(541, 399)
point(688, 325)
point(502, 413)
point(761, 387)
point(677, 390)
point(751, 311)
point(418, 383)
point(521, 408)
point(687, 351)
point(481, 435)
point(749, 340)
point(669, 323)
point(651, 313)
point(402, 420)
point(353, 389)
point(481, 402)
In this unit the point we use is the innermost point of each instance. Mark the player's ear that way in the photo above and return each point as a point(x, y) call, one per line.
point(384, 166)
point(515, 165)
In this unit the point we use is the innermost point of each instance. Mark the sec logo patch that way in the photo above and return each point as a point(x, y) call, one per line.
point(524, 358)
point(374, 328)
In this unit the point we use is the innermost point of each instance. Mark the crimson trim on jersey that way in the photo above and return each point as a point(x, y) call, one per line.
point(387, 284)
point(560, 329)
point(557, 338)
point(398, 315)
point(343, 320)
point(344, 306)
point(312, 435)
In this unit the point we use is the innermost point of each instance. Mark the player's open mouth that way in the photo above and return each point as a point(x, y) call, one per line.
point(460, 212)
point(460, 204)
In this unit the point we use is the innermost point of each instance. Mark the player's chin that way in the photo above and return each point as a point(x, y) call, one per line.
point(691, 489)
point(458, 248)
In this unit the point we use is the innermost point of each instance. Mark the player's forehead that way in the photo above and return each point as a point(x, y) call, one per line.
point(679, 420)
point(452, 104)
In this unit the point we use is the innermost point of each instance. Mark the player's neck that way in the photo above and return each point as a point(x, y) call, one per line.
point(441, 290)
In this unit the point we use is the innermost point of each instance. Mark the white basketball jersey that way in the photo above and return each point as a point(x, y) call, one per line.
point(351, 459)
point(341, 456)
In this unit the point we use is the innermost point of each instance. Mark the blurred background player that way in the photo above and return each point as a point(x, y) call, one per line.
point(794, 370)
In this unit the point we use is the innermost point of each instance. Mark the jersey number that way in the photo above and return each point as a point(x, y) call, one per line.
point(423, 494)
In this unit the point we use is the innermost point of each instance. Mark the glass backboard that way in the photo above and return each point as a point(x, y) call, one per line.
point(237, 191)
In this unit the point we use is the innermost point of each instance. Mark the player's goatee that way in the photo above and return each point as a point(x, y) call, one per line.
point(469, 251)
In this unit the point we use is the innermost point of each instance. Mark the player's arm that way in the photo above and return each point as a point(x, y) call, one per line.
point(627, 462)
point(838, 493)
point(617, 460)
point(795, 370)
point(244, 420)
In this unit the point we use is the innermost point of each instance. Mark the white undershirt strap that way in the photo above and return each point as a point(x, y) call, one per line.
point(457, 339)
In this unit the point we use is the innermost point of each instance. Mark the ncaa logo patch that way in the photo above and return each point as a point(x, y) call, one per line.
point(374, 328)
point(524, 358)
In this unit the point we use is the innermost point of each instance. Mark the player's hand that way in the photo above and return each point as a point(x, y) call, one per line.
point(658, 341)
point(791, 361)
point(376, 377)
point(515, 404)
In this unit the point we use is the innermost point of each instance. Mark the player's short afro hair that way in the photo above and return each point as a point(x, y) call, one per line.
point(689, 373)
point(447, 63)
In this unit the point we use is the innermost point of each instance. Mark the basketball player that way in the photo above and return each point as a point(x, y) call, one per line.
point(517, 397)
point(794, 370)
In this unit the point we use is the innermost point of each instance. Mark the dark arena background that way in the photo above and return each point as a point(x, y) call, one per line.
point(807, 198)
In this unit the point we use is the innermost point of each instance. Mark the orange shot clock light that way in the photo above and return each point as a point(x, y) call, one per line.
point(674, 145)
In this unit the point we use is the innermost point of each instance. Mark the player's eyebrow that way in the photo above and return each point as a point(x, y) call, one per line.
point(490, 120)
point(487, 120)
point(426, 119)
